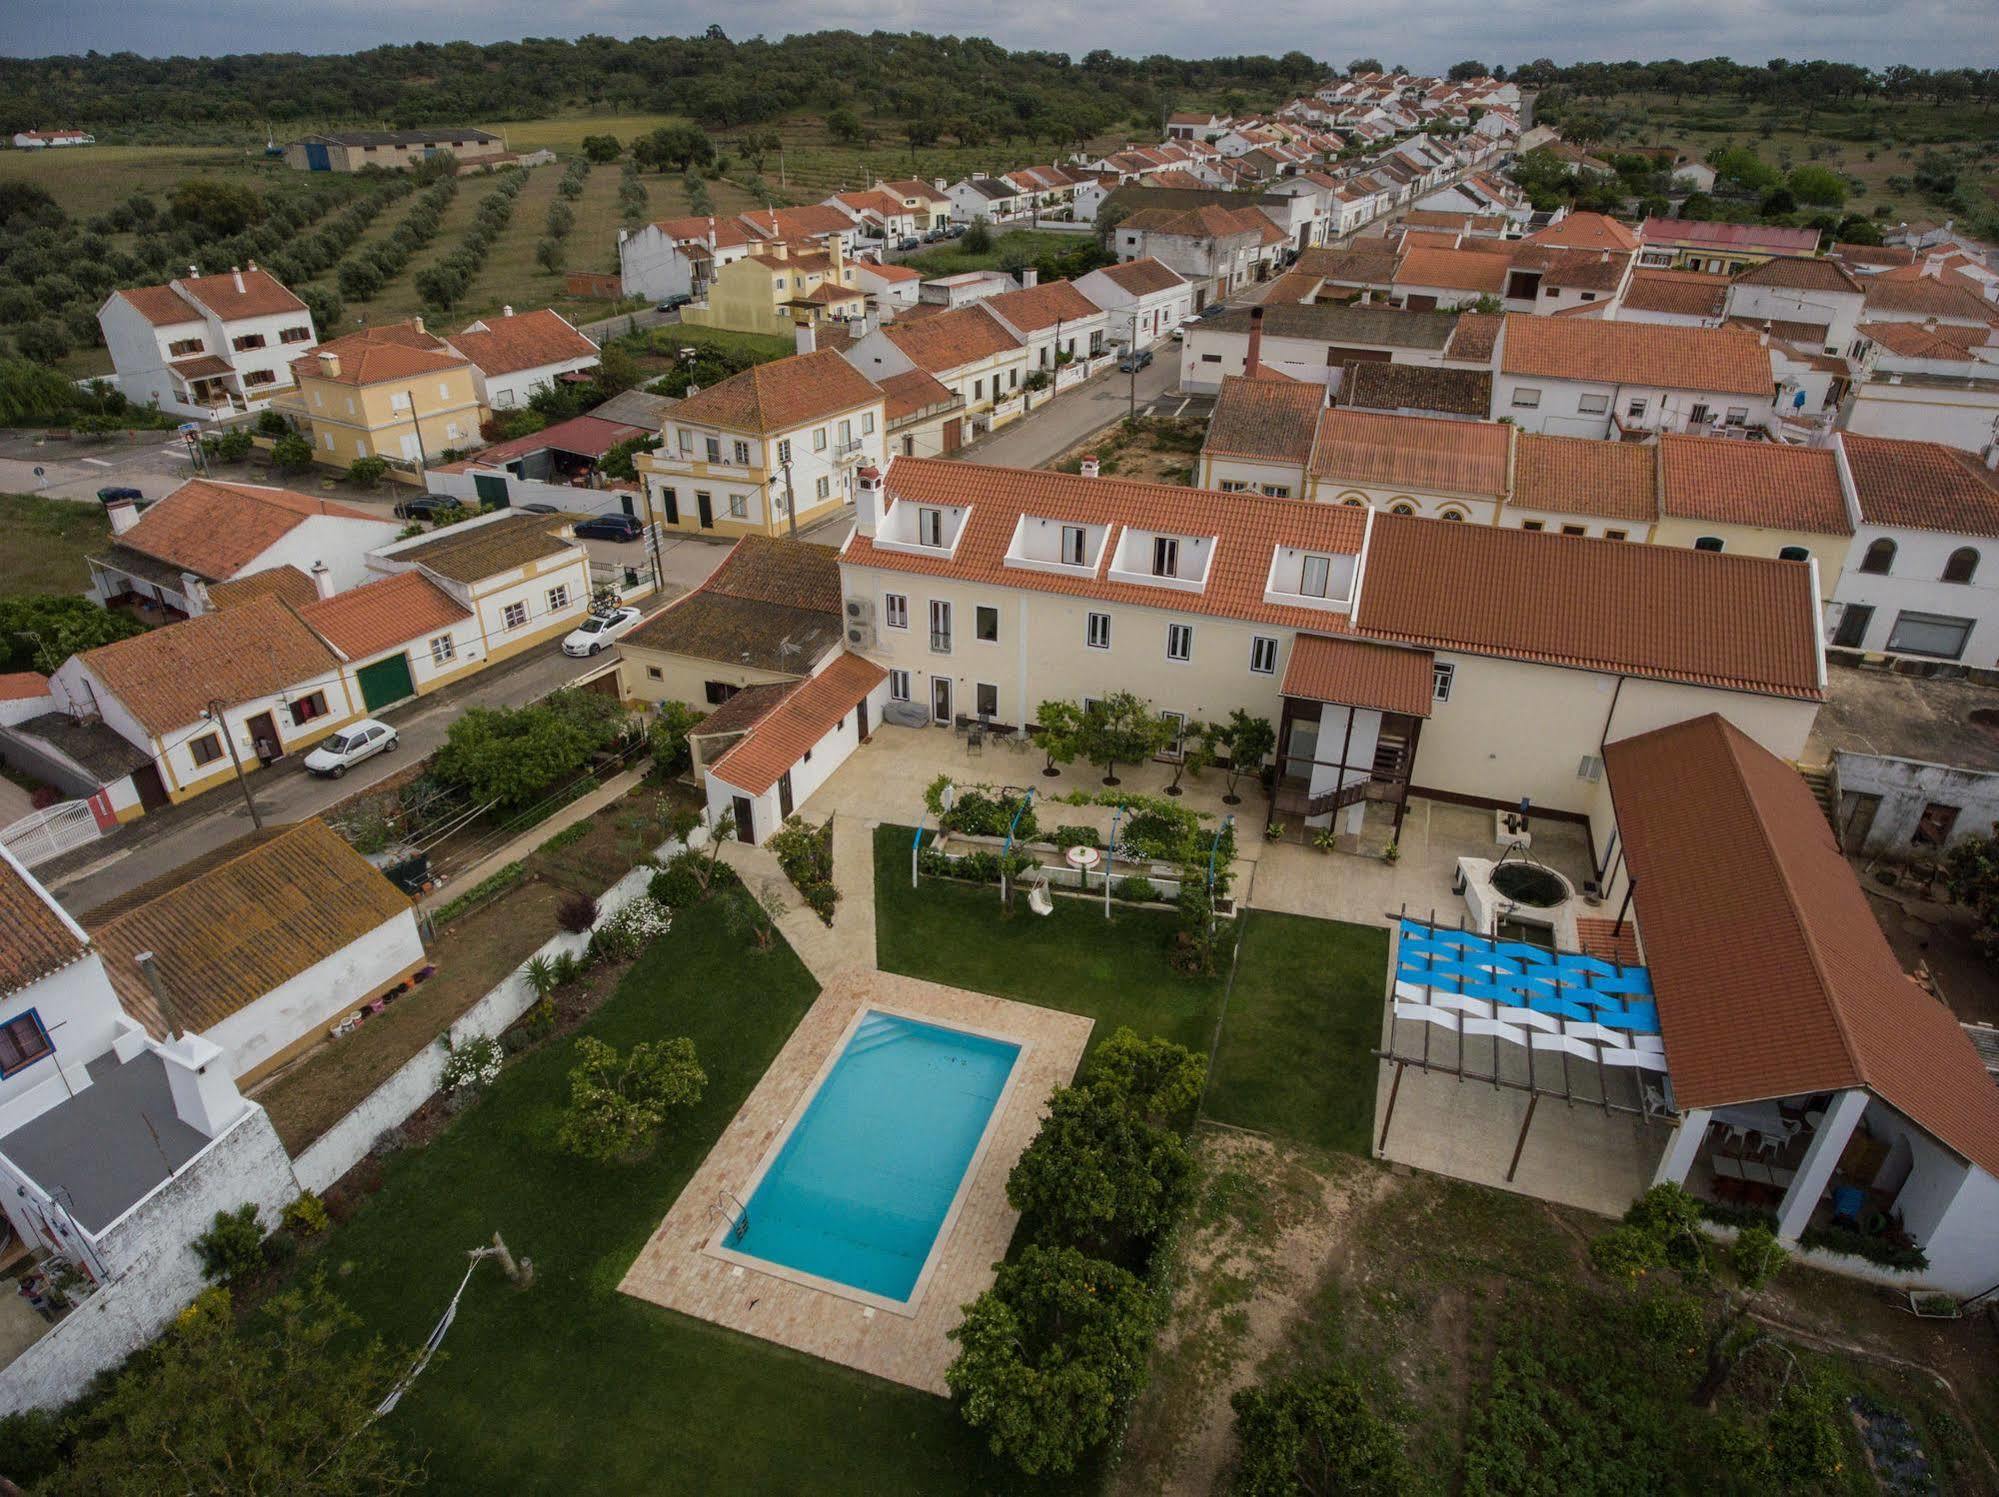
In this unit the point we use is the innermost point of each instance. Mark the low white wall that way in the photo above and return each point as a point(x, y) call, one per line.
point(157, 1271)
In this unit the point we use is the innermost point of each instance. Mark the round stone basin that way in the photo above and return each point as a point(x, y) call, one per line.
point(1530, 884)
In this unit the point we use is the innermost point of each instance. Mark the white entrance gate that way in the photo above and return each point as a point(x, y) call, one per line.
point(41, 835)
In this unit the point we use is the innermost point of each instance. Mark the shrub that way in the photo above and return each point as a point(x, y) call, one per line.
point(291, 453)
point(271, 424)
point(616, 1103)
point(632, 929)
point(233, 445)
point(667, 737)
point(1075, 836)
point(576, 913)
point(678, 884)
point(368, 471)
point(307, 1215)
point(805, 853)
point(1099, 1174)
point(232, 1249)
point(1135, 890)
point(473, 1065)
point(1315, 1434)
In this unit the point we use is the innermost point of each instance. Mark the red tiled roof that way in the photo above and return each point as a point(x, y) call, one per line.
point(1685, 293)
point(1417, 452)
point(1772, 975)
point(1586, 231)
point(1916, 340)
point(1474, 338)
point(263, 295)
point(806, 715)
point(1636, 353)
point(19, 686)
point(1141, 277)
point(1921, 485)
point(215, 529)
point(1800, 273)
point(1275, 421)
point(1360, 673)
point(167, 677)
point(529, 340)
point(1673, 614)
point(781, 395)
point(1756, 239)
point(1453, 270)
point(1924, 297)
point(159, 305)
point(1247, 527)
point(1767, 484)
point(36, 938)
point(952, 339)
point(1037, 307)
point(1584, 476)
point(379, 354)
point(380, 615)
point(910, 393)
point(889, 272)
point(286, 583)
point(728, 233)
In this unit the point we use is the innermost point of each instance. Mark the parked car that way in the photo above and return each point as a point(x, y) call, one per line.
point(1131, 363)
point(537, 509)
point(1212, 309)
point(120, 496)
point(608, 528)
point(909, 242)
point(675, 303)
point(426, 507)
point(956, 231)
point(339, 752)
point(599, 630)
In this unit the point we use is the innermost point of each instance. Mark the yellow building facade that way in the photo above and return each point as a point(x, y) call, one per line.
point(779, 286)
point(361, 397)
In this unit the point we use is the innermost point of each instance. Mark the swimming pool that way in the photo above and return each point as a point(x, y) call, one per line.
point(859, 1190)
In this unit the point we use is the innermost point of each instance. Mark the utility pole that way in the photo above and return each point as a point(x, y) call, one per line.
point(790, 500)
point(652, 531)
point(422, 457)
point(1133, 413)
point(214, 714)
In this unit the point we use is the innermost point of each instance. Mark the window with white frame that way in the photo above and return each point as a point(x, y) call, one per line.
point(1636, 410)
point(514, 615)
point(442, 650)
point(1442, 676)
point(895, 610)
point(940, 626)
point(1233, 486)
point(1315, 576)
point(1097, 633)
point(739, 506)
point(713, 447)
point(1165, 556)
point(1073, 539)
point(783, 451)
point(1930, 634)
point(898, 686)
point(558, 598)
point(1179, 641)
point(985, 624)
point(819, 439)
point(1592, 405)
point(867, 423)
point(686, 443)
point(930, 527)
point(1277, 491)
point(824, 488)
point(1526, 399)
point(1262, 655)
point(742, 454)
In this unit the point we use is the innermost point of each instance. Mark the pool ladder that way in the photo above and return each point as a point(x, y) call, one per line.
point(739, 1220)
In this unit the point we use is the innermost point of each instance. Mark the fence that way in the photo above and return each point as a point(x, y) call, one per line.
point(41, 835)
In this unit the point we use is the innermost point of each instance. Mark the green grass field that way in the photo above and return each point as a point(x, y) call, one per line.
point(48, 541)
point(954, 259)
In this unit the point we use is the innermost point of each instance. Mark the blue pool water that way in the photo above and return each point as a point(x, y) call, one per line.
point(858, 1191)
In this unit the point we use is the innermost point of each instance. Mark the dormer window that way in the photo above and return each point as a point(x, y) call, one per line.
point(930, 527)
point(1165, 556)
point(1316, 572)
point(1074, 543)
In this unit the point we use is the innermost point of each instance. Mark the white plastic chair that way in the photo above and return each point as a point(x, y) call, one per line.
point(1039, 899)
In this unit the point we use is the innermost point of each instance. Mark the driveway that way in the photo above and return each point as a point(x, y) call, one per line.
point(155, 463)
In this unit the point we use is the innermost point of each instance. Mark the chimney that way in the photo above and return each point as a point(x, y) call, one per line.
point(506, 311)
point(123, 516)
point(204, 1093)
point(868, 504)
point(1089, 467)
point(938, 183)
point(1763, 338)
point(329, 363)
point(236, 274)
point(1251, 360)
point(417, 323)
point(194, 272)
point(805, 337)
point(195, 590)
point(1029, 277)
point(322, 579)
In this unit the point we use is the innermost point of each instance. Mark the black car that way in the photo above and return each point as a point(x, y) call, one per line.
point(120, 496)
point(1213, 309)
point(909, 242)
point(1131, 363)
point(608, 528)
point(426, 507)
point(537, 509)
point(675, 303)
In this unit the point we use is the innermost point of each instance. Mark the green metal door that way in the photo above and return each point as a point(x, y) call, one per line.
point(386, 681)
point(491, 488)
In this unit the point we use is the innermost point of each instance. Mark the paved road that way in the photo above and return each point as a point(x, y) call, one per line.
point(153, 463)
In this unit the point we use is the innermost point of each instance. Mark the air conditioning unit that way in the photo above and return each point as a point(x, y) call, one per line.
point(860, 636)
point(861, 611)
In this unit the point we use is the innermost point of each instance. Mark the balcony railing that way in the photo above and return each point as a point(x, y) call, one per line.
point(940, 641)
point(846, 449)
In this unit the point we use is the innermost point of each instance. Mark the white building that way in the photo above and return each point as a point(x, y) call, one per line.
point(206, 346)
point(890, 288)
point(678, 257)
point(514, 357)
point(1312, 343)
point(1796, 296)
point(1059, 325)
point(1587, 377)
point(969, 351)
point(1145, 299)
point(523, 578)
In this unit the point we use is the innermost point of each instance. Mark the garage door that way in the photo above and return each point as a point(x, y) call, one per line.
point(490, 487)
point(386, 681)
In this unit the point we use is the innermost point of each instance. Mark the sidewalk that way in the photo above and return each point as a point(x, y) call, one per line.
point(612, 789)
point(849, 943)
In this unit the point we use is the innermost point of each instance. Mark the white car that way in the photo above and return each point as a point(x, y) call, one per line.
point(339, 752)
point(599, 630)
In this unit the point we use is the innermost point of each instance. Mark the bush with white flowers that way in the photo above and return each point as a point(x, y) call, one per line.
point(473, 1064)
point(632, 929)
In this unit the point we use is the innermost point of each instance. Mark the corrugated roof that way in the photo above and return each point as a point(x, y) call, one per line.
point(215, 529)
point(1772, 976)
point(1360, 673)
point(377, 616)
point(1674, 614)
point(166, 677)
point(1268, 420)
point(807, 714)
point(1921, 485)
point(1723, 360)
point(1768, 484)
point(1429, 453)
point(1584, 476)
point(36, 938)
point(240, 922)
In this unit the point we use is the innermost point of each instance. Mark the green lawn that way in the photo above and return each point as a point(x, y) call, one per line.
point(47, 543)
point(954, 259)
point(572, 1386)
point(1303, 1017)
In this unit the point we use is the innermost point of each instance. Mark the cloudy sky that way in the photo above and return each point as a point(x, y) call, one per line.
point(1425, 36)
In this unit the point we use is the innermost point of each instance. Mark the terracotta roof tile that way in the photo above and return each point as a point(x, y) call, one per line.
point(286, 583)
point(20, 686)
point(1247, 527)
point(1755, 239)
point(1752, 483)
point(377, 616)
point(1351, 267)
point(1876, 255)
point(1417, 389)
point(166, 677)
point(1142, 277)
point(1799, 273)
point(240, 922)
point(1360, 673)
point(1452, 270)
point(806, 715)
point(528, 340)
point(159, 305)
point(36, 938)
point(1608, 940)
point(1772, 975)
point(1586, 231)
point(1921, 485)
point(1036, 307)
point(914, 392)
point(1924, 297)
point(1584, 476)
point(773, 605)
point(728, 233)
point(814, 220)
point(952, 339)
point(1276, 422)
point(781, 395)
point(475, 550)
point(263, 295)
point(1684, 293)
point(1474, 338)
point(1428, 453)
point(1664, 612)
point(743, 709)
point(1916, 340)
point(216, 529)
point(378, 355)
point(1636, 353)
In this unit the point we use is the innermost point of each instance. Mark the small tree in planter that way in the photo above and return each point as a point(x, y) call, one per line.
point(1122, 729)
point(1061, 726)
point(1197, 752)
point(1250, 740)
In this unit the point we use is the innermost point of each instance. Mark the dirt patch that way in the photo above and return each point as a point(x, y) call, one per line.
point(1152, 449)
point(1268, 1229)
point(1924, 930)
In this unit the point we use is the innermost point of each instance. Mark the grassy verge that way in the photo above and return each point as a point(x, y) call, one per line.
point(1114, 971)
point(48, 541)
point(571, 1385)
point(1304, 1014)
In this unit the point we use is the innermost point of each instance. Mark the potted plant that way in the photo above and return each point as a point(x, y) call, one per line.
point(1326, 839)
point(1273, 832)
point(1392, 853)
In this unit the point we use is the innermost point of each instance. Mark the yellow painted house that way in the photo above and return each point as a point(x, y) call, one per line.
point(779, 286)
point(393, 392)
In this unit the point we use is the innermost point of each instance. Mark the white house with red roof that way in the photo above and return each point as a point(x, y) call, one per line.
point(1145, 299)
point(206, 347)
point(514, 356)
point(42, 140)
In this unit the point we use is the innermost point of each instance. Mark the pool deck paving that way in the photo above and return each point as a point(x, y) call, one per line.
point(678, 1269)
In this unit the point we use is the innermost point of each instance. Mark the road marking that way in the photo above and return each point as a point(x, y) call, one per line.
point(1182, 409)
point(98, 462)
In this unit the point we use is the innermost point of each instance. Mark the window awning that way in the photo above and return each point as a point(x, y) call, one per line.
point(1360, 673)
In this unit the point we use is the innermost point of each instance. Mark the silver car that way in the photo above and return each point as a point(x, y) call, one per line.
point(339, 752)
